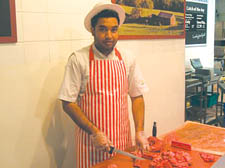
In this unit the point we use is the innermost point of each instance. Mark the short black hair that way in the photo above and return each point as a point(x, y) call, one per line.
point(104, 14)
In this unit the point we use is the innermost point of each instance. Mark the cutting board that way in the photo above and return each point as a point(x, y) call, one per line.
point(126, 162)
point(202, 137)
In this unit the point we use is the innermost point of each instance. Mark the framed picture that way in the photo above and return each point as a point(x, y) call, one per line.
point(152, 19)
point(7, 21)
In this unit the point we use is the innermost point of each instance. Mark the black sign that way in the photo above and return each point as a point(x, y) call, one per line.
point(7, 21)
point(5, 28)
point(195, 23)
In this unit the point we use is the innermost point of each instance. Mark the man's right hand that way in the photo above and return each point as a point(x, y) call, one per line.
point(100, 141)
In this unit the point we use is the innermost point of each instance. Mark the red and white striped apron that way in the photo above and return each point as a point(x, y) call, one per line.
point(105, 105)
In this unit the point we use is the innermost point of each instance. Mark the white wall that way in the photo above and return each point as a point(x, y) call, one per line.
point(205, 52)
point(162, 63)
point(34, 130)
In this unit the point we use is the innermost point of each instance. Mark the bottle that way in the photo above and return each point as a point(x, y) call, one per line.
point(154, 130)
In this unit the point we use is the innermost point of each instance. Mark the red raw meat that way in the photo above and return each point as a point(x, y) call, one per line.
point(169, 159)
point(149, 156)
point(162, 159)
point(207, 157)
point(187, 157)
point(166, 164)
point(155, 144)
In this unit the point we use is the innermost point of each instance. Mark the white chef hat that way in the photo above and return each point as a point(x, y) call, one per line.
point(103, 6)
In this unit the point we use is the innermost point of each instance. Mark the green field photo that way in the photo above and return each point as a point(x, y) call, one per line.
point(153, 18)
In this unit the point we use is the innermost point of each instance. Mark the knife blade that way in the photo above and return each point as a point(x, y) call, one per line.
point(219, 163)
point(113, 149)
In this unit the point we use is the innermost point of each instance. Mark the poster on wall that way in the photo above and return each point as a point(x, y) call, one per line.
point(196, 22)
point(152, 19)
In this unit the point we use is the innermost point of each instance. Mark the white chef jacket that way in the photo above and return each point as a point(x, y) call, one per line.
point(77, 73)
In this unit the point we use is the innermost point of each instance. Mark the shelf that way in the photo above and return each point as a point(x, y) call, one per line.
point(189, 107)
point(189, 95)
point(192, 82)
point(194, 87)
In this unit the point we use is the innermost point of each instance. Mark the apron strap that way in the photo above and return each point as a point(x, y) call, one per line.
point(91, 54)
point(118, 54)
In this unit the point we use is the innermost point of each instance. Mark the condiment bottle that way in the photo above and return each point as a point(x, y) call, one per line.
point(154, 130)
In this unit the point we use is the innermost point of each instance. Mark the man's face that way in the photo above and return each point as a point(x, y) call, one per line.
point(105, 34)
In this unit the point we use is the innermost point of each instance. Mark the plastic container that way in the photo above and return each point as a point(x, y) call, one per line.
point(212, 99)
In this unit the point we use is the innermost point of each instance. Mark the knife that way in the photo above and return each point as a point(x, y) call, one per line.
point(113, 149)
point(219, 163)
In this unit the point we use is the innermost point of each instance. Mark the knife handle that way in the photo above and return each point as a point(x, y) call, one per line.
point(111, 149)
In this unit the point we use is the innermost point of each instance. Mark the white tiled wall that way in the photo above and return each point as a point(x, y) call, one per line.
point(36, 53)
point(19, 25)
point(12, 55)
point(34, 6)
point(59, 50)
point(35, 27)
point(18, 5)
point(31, 72)
point(60, 26)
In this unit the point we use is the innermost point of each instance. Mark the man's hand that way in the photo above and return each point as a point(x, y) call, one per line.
point(138, 115)
point(101, 142)
point(141, 141)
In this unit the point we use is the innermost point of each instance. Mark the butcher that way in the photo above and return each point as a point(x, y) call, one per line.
point(94, 93)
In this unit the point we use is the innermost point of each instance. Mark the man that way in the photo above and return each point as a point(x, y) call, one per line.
point(94, 92)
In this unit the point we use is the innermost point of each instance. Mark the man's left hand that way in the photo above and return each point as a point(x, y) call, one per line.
point(141, 140)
